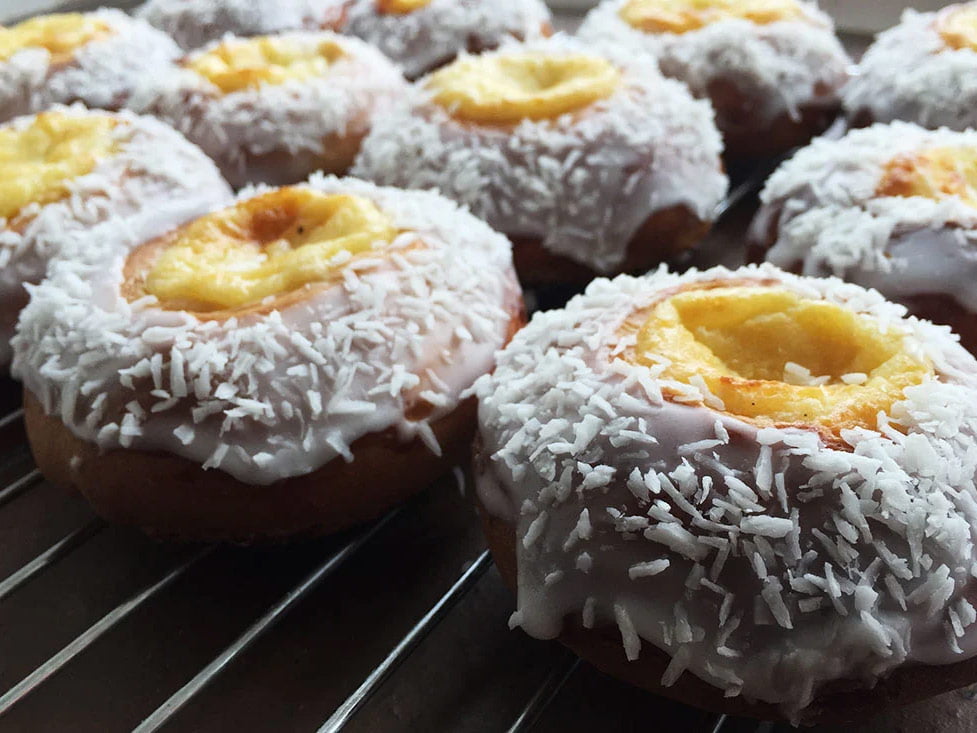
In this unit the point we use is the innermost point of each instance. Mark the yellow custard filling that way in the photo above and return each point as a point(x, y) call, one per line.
point(682, 16)
point(957, 25)
point(39, 161)
point(400, 7)
point(236, 65)
point(264, 247)
point(936, 173)
point(776, 358)
point(61, 34)
point(509, 88)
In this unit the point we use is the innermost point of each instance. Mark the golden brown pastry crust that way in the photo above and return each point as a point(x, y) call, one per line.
point(735, 117)
point(664, 235)
point(171, 497)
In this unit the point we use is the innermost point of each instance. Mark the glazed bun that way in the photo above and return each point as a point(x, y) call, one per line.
point(193, 24)
point(773, 69)
point(746, 490)
point(99, 58)
point(292, 364)
point(891, 207)
point(920, 71)
point(67, 172)
point(274, 109)
point(589, 163)
point(422, 35)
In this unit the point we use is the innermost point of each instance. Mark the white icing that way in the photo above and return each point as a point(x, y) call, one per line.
point(293, 118)
point(102, 74)
point(789, 564)
point(777, 66)
point(910, 74)
point(266, 397)
point(192, 23)
point(584, 183)
point(156, 174)
point(434, 34)
point(829, 220)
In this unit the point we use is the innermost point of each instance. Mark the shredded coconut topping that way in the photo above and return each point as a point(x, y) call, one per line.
point(103, 73)
point(297, 119)
point(433, 35)
point(909, 73)
point(193, 24)
point(779, 66)
point(828, 219)
point(265, 397)
point(741, 583)
point(584, 183)
point(156, 178)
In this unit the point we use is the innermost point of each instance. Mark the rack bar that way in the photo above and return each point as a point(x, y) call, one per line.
point(345, 712)
point(8, 420)
point(720, 723)
point(53, 665)
point(181, 697)
point(546, 693)
point(47, 558)
point(19, 486)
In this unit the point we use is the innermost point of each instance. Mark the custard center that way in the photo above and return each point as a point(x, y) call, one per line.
point(264, 247)
point(237, 65)
point(61, 34)
point(400, 7)
point(957, 25)
point(682, 16)
point(505, 89)
point(39, 161)
point(936, 173)
point(776, 358)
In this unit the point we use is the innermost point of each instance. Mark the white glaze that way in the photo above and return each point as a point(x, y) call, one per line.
point(777, 66)
point(193, 23)
point(271, 396)
point(293, 118)
point(762, 561)
point(156, 173)
point(103, 73)
point(910, 74)
point(430, 36)
point(584, 183)
point(823, 206)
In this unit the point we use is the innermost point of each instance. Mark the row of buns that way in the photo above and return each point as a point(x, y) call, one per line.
point(752, 490)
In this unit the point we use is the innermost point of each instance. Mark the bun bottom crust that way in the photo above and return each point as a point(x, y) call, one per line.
point(839, 702)
point(745, 141)
point(283, 168)
point(664, 235)
point(171, 497)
